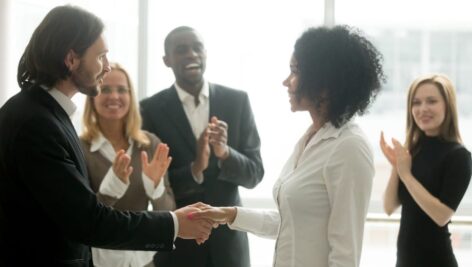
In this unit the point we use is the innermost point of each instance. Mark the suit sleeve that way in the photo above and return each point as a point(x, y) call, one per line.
point(49, 171)
point(146, 120)
point(181, 177)
point(244, 164)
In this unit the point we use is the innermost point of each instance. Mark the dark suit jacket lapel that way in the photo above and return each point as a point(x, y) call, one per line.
point(68, 127)
point(72, 134)
point(215, 103)
point(177, 114)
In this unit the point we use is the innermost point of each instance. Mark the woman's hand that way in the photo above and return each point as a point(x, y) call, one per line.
point(387, 150)
point(159, 164)
point(403, 159)
point(121, 166)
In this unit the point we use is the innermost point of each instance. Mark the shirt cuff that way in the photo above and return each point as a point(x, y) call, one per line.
point(151, 191)
point(176, 225)
point(245, 219)
point(112, 185)
point(198, 178)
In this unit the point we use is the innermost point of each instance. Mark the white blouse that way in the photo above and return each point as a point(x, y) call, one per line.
point(322, 196)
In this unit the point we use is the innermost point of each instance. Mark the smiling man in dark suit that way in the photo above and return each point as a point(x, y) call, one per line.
point(214, 144)
point(50, 215)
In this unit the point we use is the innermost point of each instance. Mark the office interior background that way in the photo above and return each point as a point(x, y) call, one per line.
point(249, 44)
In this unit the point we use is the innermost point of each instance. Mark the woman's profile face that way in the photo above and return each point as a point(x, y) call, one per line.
point(291, 82)
point(428, 109)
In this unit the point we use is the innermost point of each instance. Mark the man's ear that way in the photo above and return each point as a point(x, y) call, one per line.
point(72, 60)
point(165, 58)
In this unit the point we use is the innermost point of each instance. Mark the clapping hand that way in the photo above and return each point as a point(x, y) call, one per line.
point(403, 159)
point(159, 164)
point(387, 150)
point(398, 156)
point(218, 138)
point(121, 166)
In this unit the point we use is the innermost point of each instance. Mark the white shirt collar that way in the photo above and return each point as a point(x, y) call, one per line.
point(64, 101)
point(327, 131)
point(184, 96)
point(101, 141)
point(97, 143)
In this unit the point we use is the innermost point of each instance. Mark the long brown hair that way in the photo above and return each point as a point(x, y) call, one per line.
point(63, 29)
point(133, 121)
point(449, 130)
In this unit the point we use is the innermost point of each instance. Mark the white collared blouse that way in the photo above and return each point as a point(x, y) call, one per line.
point(322, 196)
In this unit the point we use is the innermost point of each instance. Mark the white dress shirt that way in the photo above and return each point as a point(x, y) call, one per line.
point(198, 116)
point(322, 196)
point(64, 101)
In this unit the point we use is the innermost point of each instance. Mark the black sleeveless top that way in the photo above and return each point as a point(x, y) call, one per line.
point(444, 169)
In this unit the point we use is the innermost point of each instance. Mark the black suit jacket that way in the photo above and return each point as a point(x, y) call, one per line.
point(163, 115)
point(50, 214)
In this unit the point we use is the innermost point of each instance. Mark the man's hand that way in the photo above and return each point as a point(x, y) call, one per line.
point(121, 166)
point(159, 164)
point(221, 215)
point(203, 154)
point(218, 138)
point(198, 229)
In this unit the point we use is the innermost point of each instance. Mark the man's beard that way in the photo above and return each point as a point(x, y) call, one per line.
point(85, 82)
point(90, 91)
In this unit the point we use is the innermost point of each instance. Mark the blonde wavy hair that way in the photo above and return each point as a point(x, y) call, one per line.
point(133, 121)
point(449, 129)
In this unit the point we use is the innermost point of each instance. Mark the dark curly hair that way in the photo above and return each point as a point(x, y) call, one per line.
point(340, 67)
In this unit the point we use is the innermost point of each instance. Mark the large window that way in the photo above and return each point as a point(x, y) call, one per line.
point(415, 37)
point(249, 44)
point(121, 25)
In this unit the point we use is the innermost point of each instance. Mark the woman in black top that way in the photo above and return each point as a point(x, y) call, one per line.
point(430, 174)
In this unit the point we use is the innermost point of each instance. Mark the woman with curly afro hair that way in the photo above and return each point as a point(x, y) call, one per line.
point(324, 189)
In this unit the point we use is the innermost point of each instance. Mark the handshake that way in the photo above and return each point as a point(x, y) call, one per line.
point(197, 220)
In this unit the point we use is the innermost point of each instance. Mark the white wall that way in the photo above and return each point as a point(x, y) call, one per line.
point(4, 49)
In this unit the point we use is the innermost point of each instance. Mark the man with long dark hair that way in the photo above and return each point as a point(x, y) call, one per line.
point(50, 214)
